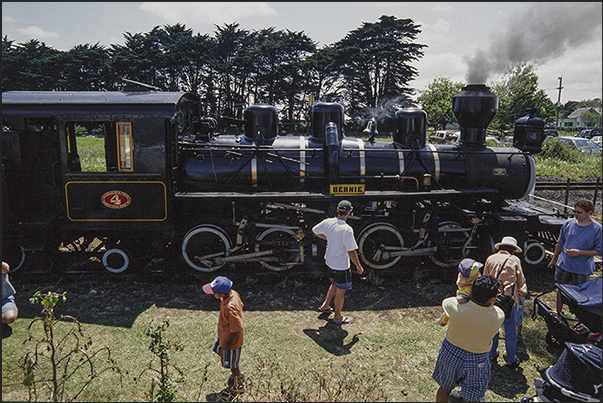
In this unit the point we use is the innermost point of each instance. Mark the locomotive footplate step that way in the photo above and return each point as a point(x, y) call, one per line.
point(370, 195)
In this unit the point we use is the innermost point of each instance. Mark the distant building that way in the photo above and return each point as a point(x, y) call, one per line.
point(575, 119)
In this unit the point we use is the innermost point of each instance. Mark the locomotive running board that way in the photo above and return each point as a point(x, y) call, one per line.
point(297, 196)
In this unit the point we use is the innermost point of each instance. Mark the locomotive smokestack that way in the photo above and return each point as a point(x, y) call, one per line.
point(474, 107)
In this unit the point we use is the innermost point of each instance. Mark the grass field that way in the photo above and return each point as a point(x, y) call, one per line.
point(291, 353)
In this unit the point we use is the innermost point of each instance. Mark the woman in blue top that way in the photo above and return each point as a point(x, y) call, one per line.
point(579, 241)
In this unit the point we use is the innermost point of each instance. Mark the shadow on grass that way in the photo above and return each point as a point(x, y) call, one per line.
point(110, 299)
point(331, 337)
point(508, 382)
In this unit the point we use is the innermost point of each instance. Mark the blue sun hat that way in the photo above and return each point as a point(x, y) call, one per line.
point(469, 267)
point(220, 285)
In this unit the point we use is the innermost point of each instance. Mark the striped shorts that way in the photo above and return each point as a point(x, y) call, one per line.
point(566, 277)
point(341, 278)
point(229, 358)
point(456, 366)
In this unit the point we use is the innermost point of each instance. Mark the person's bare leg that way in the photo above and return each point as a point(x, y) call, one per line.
point(330, 294)
point(338, 302)
point(9, 317)
point(559, 302)
point(443, 395)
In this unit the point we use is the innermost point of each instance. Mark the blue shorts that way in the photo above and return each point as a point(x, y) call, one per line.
point(341, 278)
point(567, 277)
point(456, 366)
point(229, 358)
point(8, 304)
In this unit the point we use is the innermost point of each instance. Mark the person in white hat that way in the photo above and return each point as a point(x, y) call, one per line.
point(505, 266)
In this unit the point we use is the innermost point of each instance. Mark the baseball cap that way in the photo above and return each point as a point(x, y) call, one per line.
point(344, 206)
point(469, 267)
point(220, 285)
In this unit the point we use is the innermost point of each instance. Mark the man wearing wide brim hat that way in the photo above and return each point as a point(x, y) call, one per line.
point(505, 266)
point(509, 241)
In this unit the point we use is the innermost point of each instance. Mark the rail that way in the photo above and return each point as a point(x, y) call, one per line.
point(571, 185)
point(567, 187)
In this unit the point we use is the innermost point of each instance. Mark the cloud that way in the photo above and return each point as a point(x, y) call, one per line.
point(36, 32)
point(438, 32)
point(8, 19)
point(207, 12)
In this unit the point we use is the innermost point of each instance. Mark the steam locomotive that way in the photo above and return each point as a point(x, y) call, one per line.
point(168, 186)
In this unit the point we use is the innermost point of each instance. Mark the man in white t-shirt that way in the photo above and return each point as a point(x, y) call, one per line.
point(341, 248)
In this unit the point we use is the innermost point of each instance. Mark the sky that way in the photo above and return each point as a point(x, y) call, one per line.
point(471, 43)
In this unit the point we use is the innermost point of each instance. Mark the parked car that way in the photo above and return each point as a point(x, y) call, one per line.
point(596, 140)
point(443, 136)
point(587, 146)
point(506, 141)
point(589, 133)
point(551, 133)
point(493, 139)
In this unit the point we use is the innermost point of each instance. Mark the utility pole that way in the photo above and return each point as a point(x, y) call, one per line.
point(558, 102)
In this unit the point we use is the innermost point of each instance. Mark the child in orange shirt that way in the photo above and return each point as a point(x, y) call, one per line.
point(230, 331)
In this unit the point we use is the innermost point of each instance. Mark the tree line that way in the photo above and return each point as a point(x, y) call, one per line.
point(233, 68)
point(368, 72)
point(517, 91)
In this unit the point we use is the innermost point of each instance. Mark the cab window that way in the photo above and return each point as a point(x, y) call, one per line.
point(124, 146)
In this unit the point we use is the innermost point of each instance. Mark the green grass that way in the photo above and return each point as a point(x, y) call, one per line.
point(295, 355)
point(92, 153)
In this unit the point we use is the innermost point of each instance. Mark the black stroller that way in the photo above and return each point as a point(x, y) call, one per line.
point(575, 377)
point(584, 301)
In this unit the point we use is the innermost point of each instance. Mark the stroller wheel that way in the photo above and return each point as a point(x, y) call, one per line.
point(552, 341)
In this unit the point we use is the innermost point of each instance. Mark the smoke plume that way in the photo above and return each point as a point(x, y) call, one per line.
point(543, 32)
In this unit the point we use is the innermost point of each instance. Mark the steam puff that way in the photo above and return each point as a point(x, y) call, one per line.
point(544, 31)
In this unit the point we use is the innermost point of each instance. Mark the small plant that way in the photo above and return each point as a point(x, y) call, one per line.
point(161, 348)
point(59, 357)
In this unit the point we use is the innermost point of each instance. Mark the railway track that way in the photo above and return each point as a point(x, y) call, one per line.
point(569, 185)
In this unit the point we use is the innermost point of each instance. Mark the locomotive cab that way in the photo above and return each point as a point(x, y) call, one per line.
point(94, 165)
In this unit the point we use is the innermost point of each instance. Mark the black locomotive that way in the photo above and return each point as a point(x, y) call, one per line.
point(168, 185)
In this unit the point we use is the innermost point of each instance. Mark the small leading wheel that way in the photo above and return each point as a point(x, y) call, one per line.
point(285, 246)
point(450, 240)
point(376, 244)
point(204, 246)
point(116, 260)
